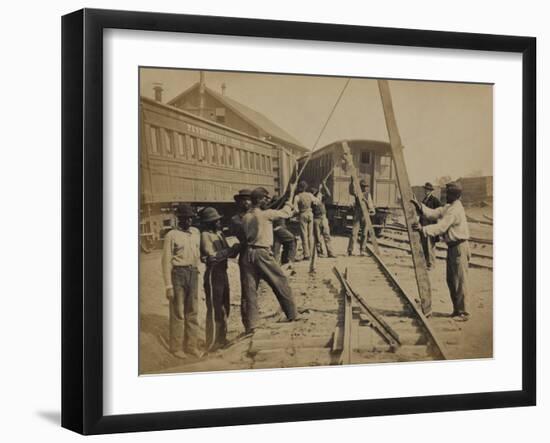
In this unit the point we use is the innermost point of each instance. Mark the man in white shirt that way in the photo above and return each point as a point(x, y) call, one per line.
point(180, 260)
point(452, 228)
point(259, 262)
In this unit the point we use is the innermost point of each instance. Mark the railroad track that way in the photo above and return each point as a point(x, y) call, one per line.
point(373, 320)
point(381, 322)
point(482, 253)
point(360, 316)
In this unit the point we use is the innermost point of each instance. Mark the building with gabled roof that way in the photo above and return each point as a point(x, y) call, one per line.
point(204, 101)
point(218, 107)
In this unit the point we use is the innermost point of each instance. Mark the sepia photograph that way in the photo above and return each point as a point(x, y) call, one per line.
point(291, 220)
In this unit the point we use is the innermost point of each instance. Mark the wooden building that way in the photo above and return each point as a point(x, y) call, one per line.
point(477, 189)
point(206, 103)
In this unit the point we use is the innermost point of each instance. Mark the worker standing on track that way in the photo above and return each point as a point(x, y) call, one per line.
point(214, 253)
point(180, 259)
point(428, 242)
point(359, 222)
point(305, 201)
point(452, 227)
point(321, 228)
point(259, 262)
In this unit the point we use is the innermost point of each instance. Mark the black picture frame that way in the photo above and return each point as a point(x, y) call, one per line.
point(82, 218)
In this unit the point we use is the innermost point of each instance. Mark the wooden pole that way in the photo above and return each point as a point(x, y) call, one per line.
point(357, 191)
point(419, 261)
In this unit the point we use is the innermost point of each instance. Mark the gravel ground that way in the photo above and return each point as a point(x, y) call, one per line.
point(317, 296)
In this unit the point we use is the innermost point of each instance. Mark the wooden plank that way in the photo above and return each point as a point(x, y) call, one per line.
point(419, 261)
point(357, 190)
point(346, 352)
point(342, 338)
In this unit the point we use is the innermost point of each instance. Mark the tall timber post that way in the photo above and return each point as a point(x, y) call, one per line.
point(419, 262)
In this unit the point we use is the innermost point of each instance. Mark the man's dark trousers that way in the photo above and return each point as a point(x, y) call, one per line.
point(259, 263)
point(284, 239)
point(458, 258)
point(216, 290)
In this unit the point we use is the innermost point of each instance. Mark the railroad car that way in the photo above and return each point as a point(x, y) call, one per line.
point(374, 164)
point(186, 158)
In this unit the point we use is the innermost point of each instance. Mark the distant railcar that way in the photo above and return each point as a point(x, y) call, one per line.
point(186, 158)
point(374, 164)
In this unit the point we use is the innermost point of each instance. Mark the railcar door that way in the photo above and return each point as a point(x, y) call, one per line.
point(385, 189)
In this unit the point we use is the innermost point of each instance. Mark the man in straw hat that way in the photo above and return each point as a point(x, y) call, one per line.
point(428, 243)
point(453, 229)
point(259, 262)
point(180, 259)
point(214, 253)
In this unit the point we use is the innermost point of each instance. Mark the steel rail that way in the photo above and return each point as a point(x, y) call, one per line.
point(416, 309)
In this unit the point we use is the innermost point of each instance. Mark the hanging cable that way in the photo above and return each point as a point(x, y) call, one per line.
point(323, 129)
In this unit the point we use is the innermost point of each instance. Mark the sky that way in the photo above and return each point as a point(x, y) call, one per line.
point(446, 128)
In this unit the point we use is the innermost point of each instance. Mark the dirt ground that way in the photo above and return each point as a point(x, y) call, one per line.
point(317, 301)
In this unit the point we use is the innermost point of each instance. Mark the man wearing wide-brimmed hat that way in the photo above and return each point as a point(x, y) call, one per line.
point(214, 253)
point(180, 260)
point(452, 227)
point(428, 243)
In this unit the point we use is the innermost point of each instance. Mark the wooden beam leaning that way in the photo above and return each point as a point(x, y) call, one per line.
point(419, 261)
point(377, 322)
point(342, 335)
point(357, 191)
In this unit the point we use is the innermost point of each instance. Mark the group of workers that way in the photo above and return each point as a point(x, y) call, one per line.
point(185, 247)
point(265, 243)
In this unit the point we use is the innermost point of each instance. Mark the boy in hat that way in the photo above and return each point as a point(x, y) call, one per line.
point(214, 253)
point(259, 262)
point(180, 259)
point(428, 243)
point(359, 223)
point(284, 242)
point(451, 225)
